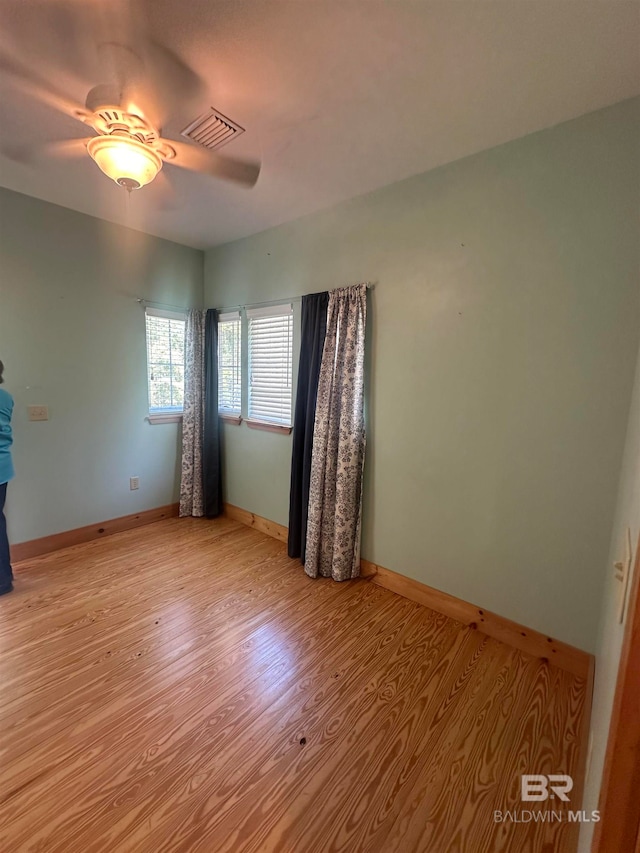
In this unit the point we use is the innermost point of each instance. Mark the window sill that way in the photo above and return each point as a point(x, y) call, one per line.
point(167, 418)
point(283, 430)
point(230, 419)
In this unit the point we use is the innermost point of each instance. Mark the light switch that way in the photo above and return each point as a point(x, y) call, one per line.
point(38, 413)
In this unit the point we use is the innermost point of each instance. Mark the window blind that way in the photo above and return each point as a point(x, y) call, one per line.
point(165, 360)
point(270, 363)
point(229, 363)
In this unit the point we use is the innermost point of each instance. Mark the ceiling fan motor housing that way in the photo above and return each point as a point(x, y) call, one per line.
point(109, 119)
point(127, 148)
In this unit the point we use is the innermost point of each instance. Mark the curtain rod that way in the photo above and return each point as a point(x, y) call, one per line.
point(283, 301)
point(260, 304)
point(142, 301)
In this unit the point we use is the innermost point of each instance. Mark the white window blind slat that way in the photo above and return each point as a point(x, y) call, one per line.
point(229, 363)
point(270, 363)
point(165, 360)
point(270, 311)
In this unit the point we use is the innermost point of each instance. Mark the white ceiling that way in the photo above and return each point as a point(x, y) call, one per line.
point(338, 98)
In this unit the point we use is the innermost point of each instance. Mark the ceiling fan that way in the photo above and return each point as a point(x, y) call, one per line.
point(126, 117)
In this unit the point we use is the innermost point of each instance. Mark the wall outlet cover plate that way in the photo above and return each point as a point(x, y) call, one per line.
point(38, 413)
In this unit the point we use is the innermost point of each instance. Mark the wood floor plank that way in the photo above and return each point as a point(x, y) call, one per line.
point(127, 696)
point(239, 715)
point(332, 722)
point(186, 687)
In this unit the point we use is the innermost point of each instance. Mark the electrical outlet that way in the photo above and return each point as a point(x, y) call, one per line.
point(134, 483)
point(38, 413)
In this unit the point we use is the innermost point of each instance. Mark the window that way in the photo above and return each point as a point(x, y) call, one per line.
point(270, 364)
point(165, 362)
point(229, 364)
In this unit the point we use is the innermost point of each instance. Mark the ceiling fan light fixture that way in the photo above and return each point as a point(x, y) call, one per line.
point(129, 163)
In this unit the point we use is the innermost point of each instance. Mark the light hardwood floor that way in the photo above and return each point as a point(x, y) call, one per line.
point(185, 687)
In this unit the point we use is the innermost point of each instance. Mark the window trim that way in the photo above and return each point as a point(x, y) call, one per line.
point(166, 315)
point(157, 417)
point(268, 426)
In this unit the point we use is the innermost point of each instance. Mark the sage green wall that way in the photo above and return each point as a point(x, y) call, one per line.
point(503, 339)
point(73, 337)
point(611, 631)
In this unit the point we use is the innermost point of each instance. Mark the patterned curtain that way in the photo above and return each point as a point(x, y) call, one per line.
point(337, 463)
point(191, 495)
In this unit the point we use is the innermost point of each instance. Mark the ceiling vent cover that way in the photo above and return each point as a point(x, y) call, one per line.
point(212, 130)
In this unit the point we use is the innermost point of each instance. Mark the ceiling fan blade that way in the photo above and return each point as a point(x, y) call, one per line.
point(168, 87)
point(31, 84)
point(63, 148)
point(150, 79)
point(210, 163)
point(31, 153)
point(62, 37)
point(124, 68)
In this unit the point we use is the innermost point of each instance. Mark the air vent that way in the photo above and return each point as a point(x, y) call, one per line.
point(212, 130)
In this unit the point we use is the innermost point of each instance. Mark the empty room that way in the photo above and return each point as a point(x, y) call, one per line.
point(319, 426)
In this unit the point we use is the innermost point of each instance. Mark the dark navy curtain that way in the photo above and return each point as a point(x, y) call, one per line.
point(314, 327)
point(211, 466)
